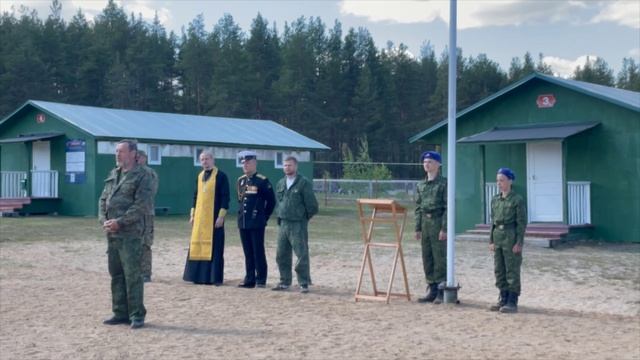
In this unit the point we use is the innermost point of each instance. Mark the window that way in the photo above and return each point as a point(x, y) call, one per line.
point(279, 160)
point(238, 162)
point(197, 150)
point(154, 154)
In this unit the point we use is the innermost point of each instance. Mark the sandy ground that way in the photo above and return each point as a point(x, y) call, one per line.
point(579, 302)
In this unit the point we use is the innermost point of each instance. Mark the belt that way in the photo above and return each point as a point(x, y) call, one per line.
point(505, 226)
point(433, 214)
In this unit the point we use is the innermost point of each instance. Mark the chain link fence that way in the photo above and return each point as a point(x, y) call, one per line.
point(344, 191)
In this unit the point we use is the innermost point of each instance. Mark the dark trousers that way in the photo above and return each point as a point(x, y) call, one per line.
point(255, 260)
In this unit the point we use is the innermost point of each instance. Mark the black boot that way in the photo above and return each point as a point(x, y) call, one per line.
point(502, 301)
point(432, 293)
point(440, 295)
point(512, 304)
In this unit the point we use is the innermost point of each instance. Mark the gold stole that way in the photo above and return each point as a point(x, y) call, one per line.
point(201, 245)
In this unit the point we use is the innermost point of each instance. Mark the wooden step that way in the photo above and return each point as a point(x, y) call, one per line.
point(13, 204)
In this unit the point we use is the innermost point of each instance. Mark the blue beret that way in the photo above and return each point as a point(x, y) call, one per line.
point(431, 155)
point(508, 173)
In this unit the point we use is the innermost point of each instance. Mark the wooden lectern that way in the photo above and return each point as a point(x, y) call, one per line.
point(382, 211)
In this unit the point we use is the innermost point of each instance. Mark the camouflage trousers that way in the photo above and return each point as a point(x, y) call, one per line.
point(127, 288)
point(506, 263)
point(293, 237)
point(147, 241)
point(434, 251)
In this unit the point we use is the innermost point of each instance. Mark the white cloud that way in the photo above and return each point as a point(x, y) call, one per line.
point(146, 9)
point(565, 67)
point(635, 53)
point(625, 12)
point(471, 14)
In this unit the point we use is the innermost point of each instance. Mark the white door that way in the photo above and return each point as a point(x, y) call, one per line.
point(544, 181)
point(40, 169)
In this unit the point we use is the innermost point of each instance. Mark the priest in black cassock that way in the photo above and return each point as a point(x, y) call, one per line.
point(205, 262)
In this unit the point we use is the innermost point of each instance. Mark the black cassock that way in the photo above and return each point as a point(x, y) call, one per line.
point(211, 272)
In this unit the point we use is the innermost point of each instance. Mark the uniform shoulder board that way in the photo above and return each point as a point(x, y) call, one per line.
point(261, 176)
point(242, 176)
point(497, 195)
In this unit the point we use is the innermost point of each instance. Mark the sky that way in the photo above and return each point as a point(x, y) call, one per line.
point(565, 32)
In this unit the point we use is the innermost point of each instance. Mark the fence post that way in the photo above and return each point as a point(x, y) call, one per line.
point(326, 199)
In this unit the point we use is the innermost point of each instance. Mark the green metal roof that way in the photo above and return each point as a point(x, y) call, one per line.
point(529, 132)
point(625, 98)
point(165, 127)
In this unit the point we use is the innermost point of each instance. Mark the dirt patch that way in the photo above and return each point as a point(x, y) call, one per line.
point(578, 303)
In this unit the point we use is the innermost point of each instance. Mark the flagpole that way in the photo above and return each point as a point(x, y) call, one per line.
point(451, 290)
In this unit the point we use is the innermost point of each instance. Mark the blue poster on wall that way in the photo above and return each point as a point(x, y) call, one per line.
point(75, 151)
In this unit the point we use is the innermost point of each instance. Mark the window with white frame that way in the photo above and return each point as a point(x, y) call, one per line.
point(197, 150)
point(279, 159)
point(238, 161)
point(154, 154)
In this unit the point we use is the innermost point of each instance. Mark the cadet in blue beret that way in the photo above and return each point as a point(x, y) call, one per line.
point(431, 225)
point(509, 221)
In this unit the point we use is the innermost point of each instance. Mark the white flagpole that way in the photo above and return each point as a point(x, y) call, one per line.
point(451, 290)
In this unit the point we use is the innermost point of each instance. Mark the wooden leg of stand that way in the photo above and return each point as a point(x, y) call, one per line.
point(404, 273)
point(393, 274)
point(364, 260)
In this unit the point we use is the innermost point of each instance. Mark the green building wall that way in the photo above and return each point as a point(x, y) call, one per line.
point(608, 155)
point(177, 179)
point(74, 199)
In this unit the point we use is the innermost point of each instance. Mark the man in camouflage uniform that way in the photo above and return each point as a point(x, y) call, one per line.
point(296, 206)
point(509, 222)
point(256, 201)
point(147, 237)
point(122, 207)
point(431, 226)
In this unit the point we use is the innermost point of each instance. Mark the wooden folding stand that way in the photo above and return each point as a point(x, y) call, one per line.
point(382, 211)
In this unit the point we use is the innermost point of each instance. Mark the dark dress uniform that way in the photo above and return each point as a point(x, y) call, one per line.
point(256, 203)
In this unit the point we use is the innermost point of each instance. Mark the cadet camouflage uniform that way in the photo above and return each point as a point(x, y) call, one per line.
point(256, 203)
point(431, 218)
point(296, 206)
point(126, 198)
point(509, 215)
point(147, 237)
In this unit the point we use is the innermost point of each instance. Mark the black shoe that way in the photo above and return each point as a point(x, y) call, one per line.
point(146, 279)
point(304, 289)
point(262, 286)
point(512, 304)
point(246, 285)
point(440, 294)
point(432, 293)
point(502, 301)
point(137, 324)
point(217, 284)
point(116, 321)
point(281, 287)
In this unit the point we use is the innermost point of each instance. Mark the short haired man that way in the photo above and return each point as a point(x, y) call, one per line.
point(122, 208)
point(296, 206)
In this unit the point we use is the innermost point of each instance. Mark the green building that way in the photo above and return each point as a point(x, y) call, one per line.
point(575, 149)
point(54, 157)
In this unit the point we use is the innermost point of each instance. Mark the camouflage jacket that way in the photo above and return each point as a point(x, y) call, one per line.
point(432, 201)
point(154, 189)
point(298, 203)
point(126, 198)
point(510, 212)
